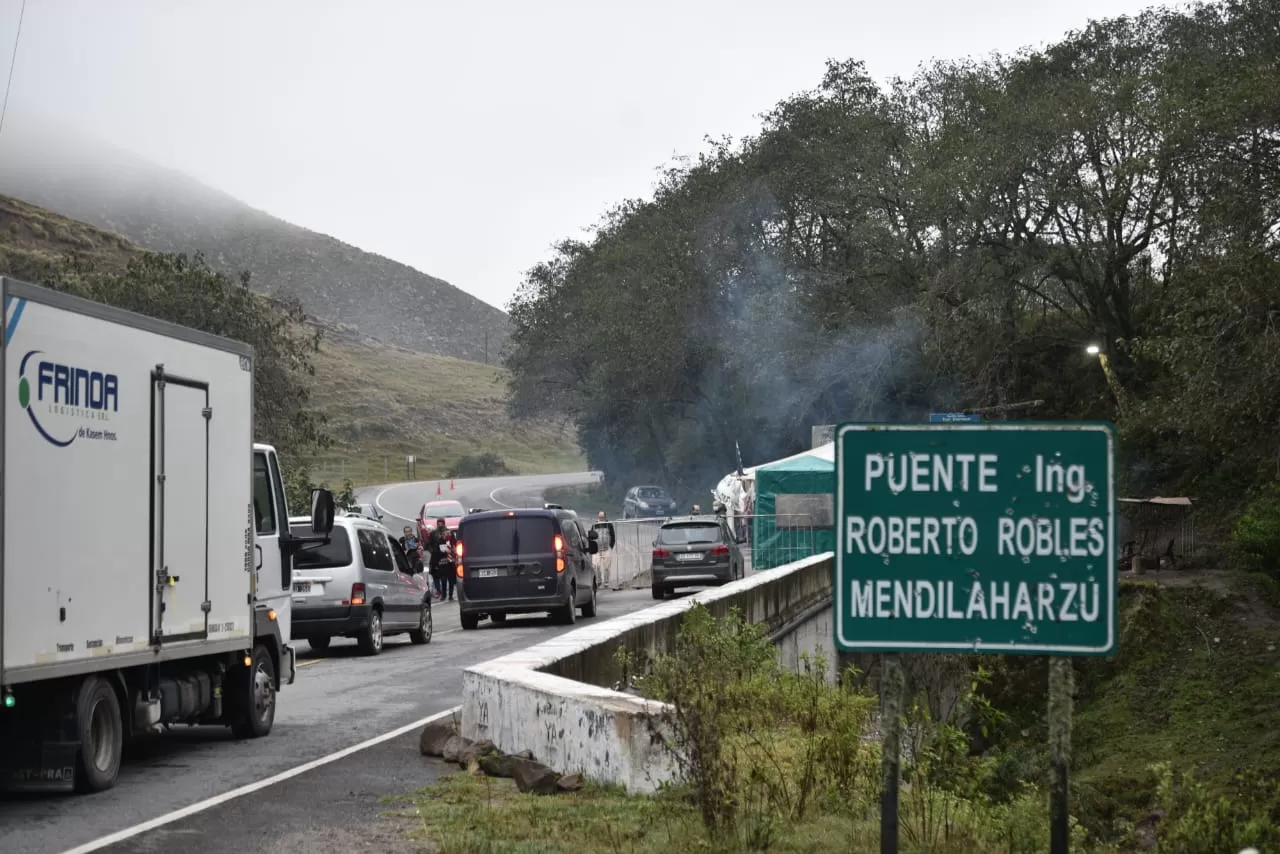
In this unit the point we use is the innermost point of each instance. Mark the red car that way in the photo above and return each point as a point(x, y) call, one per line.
point(451, 511)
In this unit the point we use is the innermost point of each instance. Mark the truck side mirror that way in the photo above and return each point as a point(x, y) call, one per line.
point(322, 511)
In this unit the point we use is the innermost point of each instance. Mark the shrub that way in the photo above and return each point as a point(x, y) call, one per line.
point(487, 464)
point(1255, 542)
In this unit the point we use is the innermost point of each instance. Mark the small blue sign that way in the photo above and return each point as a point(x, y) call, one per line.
point(953, 417)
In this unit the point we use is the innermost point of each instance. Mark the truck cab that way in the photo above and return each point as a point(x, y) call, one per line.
point(273, 558)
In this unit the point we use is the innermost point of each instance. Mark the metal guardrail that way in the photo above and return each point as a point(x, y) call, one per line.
point(626, 561)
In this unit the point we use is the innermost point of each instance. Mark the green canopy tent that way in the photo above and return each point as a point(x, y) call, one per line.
point(794, 510)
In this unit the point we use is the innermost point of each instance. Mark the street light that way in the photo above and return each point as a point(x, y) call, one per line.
point(1093, 349)
point(1112, 381)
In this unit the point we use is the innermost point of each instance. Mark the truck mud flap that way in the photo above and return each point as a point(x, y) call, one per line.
point(41, 767)
point(289, 661)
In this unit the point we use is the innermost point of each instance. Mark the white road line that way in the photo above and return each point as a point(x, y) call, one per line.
point(377, 502)
point(217, 800)
point(493, 496)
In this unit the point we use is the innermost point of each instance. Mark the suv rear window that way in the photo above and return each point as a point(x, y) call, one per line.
point(337, 552)
point(679, 535)
point(508, 536)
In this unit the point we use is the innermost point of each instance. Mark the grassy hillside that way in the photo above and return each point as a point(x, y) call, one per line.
point(382, 402)
point(167, 211)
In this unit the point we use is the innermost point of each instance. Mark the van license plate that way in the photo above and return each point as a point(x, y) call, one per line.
point(492, 572)
point(689, 556)
point(302, 587)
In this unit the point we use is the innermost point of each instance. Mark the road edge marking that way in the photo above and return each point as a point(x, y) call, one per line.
point(250, 788)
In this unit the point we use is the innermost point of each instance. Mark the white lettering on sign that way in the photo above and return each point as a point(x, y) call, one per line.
point(1041, 537)
point(1054, 477)
point(932, 472)
point(911, 535)
point(927, 599)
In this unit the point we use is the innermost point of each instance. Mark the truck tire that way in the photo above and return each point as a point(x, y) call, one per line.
point(257, 696)
point(370, 639)
point(101, 731)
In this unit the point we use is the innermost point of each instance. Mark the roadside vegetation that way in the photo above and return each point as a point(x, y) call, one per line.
point(951, 240)
point(1173, 752)
point(341, 410)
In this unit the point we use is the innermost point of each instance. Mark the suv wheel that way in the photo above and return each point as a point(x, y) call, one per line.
point(658, 592)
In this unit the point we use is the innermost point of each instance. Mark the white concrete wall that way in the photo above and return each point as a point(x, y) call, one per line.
point(815, 635)
point(607, 735)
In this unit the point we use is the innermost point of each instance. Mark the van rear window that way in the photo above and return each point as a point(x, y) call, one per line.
point(507, 537)
point(335, 553)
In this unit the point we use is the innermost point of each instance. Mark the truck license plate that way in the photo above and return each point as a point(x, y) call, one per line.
point(302, 587)
point(689, 556)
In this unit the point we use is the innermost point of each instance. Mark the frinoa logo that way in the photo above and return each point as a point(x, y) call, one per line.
point(65, 397)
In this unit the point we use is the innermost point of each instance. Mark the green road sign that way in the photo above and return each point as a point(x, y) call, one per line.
point(996, 538)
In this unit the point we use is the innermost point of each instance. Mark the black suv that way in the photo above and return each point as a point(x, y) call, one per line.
point(693, 552)
point(525, 562)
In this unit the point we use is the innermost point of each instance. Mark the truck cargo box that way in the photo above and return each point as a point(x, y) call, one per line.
point(127, 489)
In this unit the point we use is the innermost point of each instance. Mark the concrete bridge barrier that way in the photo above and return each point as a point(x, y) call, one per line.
point(557, 699)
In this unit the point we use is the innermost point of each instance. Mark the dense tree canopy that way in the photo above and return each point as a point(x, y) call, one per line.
point(952, 240)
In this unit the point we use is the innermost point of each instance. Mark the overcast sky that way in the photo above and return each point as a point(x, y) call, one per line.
point(463, 138)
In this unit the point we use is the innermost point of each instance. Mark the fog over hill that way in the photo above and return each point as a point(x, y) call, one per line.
point(160, 209)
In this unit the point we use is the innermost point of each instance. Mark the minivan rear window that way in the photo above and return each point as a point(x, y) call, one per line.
point(679, 535)
point(335, 553)
point(507, 536)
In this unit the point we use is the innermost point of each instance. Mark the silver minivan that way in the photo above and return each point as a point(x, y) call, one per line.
point(359, 584)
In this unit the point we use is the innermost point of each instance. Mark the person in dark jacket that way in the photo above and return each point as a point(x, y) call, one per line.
point(437, 546)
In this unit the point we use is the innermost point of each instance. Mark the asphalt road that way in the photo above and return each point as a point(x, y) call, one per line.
point(339, 700)
point(401, 502)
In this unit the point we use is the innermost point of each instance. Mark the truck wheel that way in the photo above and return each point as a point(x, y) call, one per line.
point(370, 639)
point(422, 634)
point(101, 735)
point(257, 697)
point(469, 621)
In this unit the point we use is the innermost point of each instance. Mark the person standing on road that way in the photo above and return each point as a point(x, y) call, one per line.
point(412, 550)
point(449, 567)
point(603, 559)
point(437, 546)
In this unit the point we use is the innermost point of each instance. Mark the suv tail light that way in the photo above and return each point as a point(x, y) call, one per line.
point(661, 554)
point(357, 594)
point(720, 551)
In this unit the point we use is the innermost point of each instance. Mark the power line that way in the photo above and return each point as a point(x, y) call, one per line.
point(13, 61)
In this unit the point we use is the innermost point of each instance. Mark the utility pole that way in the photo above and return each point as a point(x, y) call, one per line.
point(486, 346)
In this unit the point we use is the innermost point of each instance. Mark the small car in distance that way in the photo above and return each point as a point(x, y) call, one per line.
point(694, 551)
point(525, 562)
point(647, 502)
point(359, 584)
point(450, 511)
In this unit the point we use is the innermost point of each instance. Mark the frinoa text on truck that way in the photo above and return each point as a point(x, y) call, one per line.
point(145, 551)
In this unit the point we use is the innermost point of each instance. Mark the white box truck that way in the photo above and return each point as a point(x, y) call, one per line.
point(145, 551)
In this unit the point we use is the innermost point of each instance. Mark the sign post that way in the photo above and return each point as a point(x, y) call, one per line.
point(977, 537)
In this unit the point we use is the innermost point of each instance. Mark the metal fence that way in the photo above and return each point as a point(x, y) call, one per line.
point(626, 561)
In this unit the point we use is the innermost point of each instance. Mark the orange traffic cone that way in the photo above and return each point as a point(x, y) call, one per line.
point(438, 493)
point(451, 484)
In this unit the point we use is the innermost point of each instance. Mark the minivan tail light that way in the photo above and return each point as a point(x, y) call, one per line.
point(720, 550)
point(457, 549)
point(457, 568)
point(661, 554)
point(558, 542)
point(357, 594)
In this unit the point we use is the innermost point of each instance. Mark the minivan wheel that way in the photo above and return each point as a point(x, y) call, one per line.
point(497, 617)
point(422, 634)
point(567, 614)
point(371, 638)
point(469, 621)
point(589, 609)
point(319, 644)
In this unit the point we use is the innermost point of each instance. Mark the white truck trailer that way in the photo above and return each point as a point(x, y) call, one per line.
point(145, 552)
